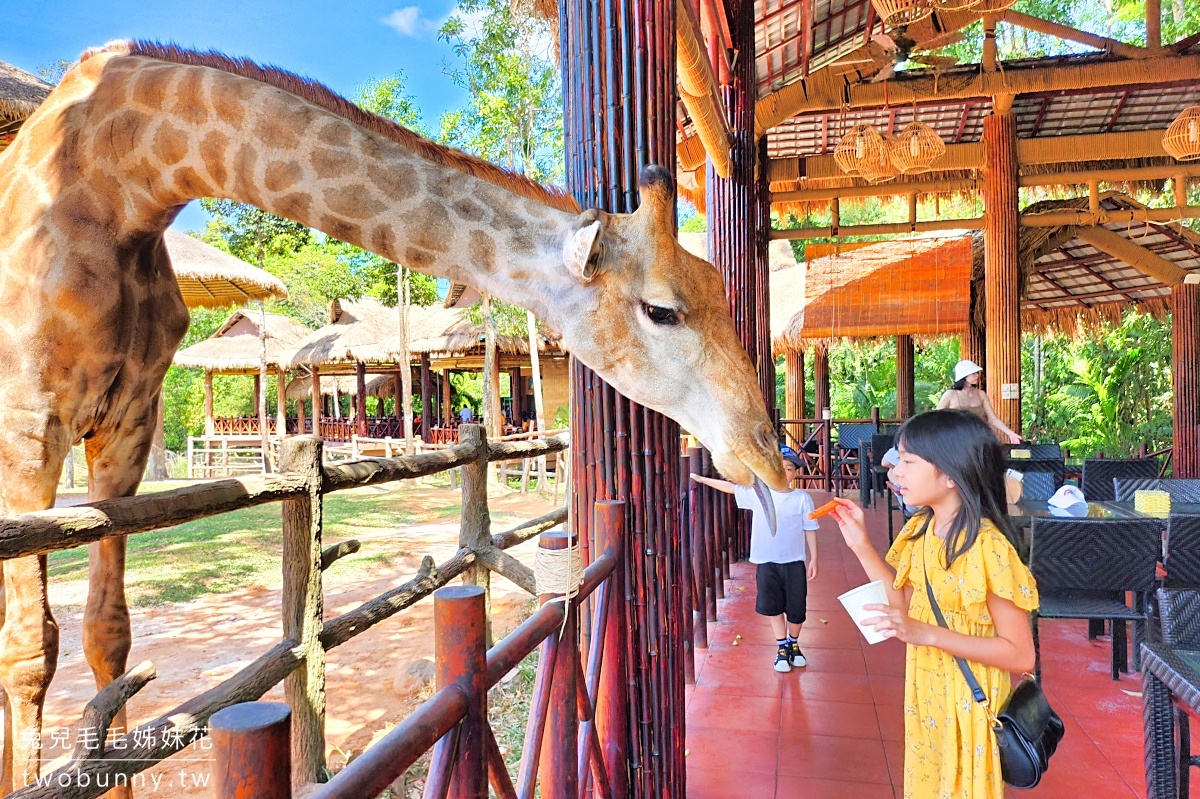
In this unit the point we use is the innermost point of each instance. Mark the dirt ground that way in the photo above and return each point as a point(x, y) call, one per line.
point(196, 645)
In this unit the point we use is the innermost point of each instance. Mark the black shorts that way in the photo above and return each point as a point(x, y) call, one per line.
point(782, 588)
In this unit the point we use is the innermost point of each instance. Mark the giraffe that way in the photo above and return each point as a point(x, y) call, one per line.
point(93, 313)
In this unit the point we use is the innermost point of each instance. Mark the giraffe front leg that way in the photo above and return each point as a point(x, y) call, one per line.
point(28, 657)
point(107, 635)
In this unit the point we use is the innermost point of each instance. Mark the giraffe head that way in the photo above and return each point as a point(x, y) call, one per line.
point(655, 323)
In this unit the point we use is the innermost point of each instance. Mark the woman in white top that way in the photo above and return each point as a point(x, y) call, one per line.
point(966, 395)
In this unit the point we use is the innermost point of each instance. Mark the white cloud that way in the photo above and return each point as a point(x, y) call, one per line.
point(408, 22)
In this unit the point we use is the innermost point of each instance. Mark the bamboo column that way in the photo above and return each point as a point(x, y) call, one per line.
point(1185, 377)
point(1001, 267)
point(619, 98)
point(210, 425)
point(281, 402)
point(318, 407)
point(732, 216)
point(427, 416)
point(447, 406)
point(360, 399)
point(973, 344)
point(762, 272)
point(820, 380)
point(906, 389)
point(794, 384)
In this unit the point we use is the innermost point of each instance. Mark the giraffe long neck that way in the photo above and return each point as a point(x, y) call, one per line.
point(168, 133)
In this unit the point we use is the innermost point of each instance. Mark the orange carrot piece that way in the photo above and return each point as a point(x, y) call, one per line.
point(824, 510)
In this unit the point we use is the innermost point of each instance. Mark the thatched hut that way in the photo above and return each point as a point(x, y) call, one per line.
point(237, 348)
point(20, 95)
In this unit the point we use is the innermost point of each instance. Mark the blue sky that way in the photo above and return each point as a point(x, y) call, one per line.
point(340, 44)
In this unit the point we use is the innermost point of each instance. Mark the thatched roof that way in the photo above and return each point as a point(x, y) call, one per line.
point(20, 92)
point(918, 286)
point(1065, 281)
point(210, 278)
point(346, 385)
point(442, 331)
point(360, 331)
point(236, 346)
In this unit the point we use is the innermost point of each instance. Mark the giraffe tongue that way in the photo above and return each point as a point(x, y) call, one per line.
point(766, 501)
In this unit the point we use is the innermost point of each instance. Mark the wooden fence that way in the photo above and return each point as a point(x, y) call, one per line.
point(299, 659)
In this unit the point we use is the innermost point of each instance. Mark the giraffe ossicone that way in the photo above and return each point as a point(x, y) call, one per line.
point(93, 313)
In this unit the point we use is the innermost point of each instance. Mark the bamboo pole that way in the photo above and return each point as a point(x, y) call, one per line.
point(1185, 378)
point(1137, 256)
point(317, 406)
point(360, 398)
point(427, 415)
point(794, 385)
point(281, 402)
point(405, 358)
point(1001, 269)
point(209, 422)
point(1153, 24)
point(906, 397)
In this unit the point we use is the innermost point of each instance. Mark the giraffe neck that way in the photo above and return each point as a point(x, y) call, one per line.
point(168, 133)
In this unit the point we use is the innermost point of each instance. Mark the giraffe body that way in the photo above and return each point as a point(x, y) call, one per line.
point(92, 313)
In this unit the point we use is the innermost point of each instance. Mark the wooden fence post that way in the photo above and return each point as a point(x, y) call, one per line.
point(250, 751)
point(559, 772)
point(612, 694)
point(460, 651)
point(302, 607)
point(476, 530)
point(685, 577)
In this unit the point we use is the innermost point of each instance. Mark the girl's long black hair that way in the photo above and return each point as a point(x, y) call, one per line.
point(963, 447)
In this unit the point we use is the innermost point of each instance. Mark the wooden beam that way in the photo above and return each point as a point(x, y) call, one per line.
point(879, 190)
point(1133, 254)
point(889, 229)
point(1084, 218)
point(812, 96)
point(1038, 25)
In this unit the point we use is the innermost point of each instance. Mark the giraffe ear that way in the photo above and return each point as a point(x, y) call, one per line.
point(581, 253)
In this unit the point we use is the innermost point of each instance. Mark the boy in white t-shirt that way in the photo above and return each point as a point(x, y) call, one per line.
point(786, 561)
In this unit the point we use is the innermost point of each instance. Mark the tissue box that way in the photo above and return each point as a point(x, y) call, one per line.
point(1152, 502)
point(1019, 453)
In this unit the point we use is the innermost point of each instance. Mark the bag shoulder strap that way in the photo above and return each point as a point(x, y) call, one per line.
point(976, 692)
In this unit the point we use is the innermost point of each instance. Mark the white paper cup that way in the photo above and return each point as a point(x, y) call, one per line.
point(874, 593)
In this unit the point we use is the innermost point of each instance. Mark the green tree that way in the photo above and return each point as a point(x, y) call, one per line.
point(514, 115)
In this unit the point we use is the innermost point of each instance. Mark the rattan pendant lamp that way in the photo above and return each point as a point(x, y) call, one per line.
point(895, 13)
point(1182, 139)
point(862, 152)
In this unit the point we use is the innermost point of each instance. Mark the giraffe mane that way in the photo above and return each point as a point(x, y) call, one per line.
point(320, 95)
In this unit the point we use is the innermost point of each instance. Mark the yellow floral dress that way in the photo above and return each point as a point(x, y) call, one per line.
point(949, 749)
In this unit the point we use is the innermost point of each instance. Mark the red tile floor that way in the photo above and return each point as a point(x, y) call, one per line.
point(834, 728)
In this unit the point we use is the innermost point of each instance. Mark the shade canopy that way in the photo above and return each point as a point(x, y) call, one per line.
point(210, 278)
point(237, 346)
point(919, 286)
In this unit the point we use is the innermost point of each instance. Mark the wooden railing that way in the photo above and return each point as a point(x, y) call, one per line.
point(298, 660)
point(572, 711)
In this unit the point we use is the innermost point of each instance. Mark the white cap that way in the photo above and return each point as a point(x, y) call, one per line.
point(965, 369)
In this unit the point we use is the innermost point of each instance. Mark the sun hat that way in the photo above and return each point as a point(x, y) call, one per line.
point(965, 368)
point(790, 456)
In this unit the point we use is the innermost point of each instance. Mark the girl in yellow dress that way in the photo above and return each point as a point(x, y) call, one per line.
point(952, 465)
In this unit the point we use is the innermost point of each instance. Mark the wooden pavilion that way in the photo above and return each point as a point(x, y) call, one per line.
point(239, 347)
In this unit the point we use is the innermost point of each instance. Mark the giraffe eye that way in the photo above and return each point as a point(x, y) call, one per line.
point(660, 315)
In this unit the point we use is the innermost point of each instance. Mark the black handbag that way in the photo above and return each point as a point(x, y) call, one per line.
point(1027, 729)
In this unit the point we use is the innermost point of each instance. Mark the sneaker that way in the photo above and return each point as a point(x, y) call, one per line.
point(783, 660)
point(797, 658)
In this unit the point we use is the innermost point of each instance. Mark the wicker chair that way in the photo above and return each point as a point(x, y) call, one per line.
point(846, 466)
point(1182, 490)
point(1182, 559)
point(1038, 486)
point(1083, 568)
point(1124, 488)
point(1098, 475)
point(1053, 466)
point(1179, 613)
